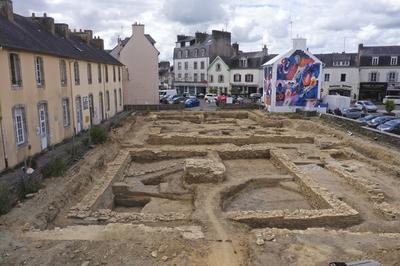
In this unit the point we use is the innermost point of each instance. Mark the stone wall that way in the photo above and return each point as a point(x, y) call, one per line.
point(154, 107)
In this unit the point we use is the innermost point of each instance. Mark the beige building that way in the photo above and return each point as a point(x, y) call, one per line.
point(53, 83)
point(140, 58)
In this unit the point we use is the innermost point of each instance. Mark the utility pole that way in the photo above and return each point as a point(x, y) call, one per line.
point(291, 28)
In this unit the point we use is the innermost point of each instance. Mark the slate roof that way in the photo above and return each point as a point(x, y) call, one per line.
point(28, 35)
point(379, 50)
point(254, 59)
point(148, 37)
point(328, 59)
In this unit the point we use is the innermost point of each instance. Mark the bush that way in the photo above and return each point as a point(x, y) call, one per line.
point(389, 106)
point(57, 167)
point(31, 185)
point(5, 201)
point(98, 135)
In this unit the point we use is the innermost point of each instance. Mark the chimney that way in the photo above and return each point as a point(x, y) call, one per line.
point(180, 38)
point(62, 29)
point(235, 47)
point(137, 29)
point(46, 22)
point(86, 35)
point(360, 47)
point(201, 37)
point(6, 9)
point(98, 43)
point(265, 50)
point(300, 44)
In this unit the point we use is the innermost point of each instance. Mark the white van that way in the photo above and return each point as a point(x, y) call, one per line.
point(394, 98)
point(167, 93)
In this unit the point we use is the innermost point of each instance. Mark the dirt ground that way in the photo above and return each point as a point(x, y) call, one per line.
point(141, 211)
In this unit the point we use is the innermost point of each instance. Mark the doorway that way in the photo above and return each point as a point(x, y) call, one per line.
point(43, 125)
point(91, 109)
point(79, 120)
point(101, 106)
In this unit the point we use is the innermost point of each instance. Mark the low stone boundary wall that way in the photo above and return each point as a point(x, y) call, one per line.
point(246, 106)
point(355, 126)
point(154, 107)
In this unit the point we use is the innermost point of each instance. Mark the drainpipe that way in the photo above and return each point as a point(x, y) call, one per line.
point(3, 140)
point(105, 117)
point(72, 111)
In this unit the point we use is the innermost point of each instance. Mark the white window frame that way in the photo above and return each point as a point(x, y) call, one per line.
point(186, 65)
point(15, 70)
point(63, 73)
point(39, 71)
point(202, 77)
point(235, 79)
point(375, 61)
point(393, 60)
point(345, 77)
point(20, 125)
point(66, 112)
point(76, 73)
point(195, 77)
point(249, 78)
point(202, 65)
point(392, 77)
point(373, 76)
point(221, 79)
point(327, 77)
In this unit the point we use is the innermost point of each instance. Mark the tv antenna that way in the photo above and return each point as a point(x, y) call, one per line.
point(291, 28)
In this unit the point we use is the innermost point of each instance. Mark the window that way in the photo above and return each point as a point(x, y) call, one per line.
point(195, 65)
point(186, 65)
point(63, 73)
point(375, 61)
point(115, 101)
point(119, 74)
point(99, 73)
point(186, 76)
point(393, 61)
point(343, 78)
point(218, 67)
point(89, 73)
point(220, 78)
point(108, 100)
point(106, 72)
point(186, 53)
point(327, 77)
point(39, 72)
point(392, 77)
point(179, 66)
point(249, 78)
point(179, 76)
point(203, 52)
point(202, 77)
point(179, 54)
point(202, 65)
point(243, 62)
point(76, 73)
point(66, 114)
point(15, 68)
point(237, 78)
point(20, 125)
point(114, 76)
point(211, 78)
point(120, 96)
point(195, 77)
point(196, 53)
point(373, 76)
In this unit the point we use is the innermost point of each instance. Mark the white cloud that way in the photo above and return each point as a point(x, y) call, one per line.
point(252, 22)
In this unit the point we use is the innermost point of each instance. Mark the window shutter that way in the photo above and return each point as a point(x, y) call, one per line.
point(377, 76)
point(388, 76)
point(18, 70)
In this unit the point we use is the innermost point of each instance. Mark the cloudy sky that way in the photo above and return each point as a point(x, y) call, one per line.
point(326, 24)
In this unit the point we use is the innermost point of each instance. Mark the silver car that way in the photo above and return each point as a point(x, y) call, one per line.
point(353, 113)
point(368, 105)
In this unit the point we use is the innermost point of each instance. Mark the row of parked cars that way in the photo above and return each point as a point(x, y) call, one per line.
point(188, 101)
point(381, 122)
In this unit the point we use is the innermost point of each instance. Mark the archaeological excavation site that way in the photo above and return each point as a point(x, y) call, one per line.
point(215, 188)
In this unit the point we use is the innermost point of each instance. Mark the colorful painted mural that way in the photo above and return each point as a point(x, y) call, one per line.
point(297, 80)
point(267, 86)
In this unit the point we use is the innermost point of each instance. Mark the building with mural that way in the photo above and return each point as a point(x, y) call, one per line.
point(292, 80)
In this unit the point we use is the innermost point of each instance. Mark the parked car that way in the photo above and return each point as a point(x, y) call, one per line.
point(177, 100)
point(353, 113)
point(221, 99)
point(192, 102)
point(365, 119)
point(394, 98)
point(209, 97)
point(200, 95)
point(238, 99)
point(255, 96)
point(164, 99)
point(392, 126)
point(368, 105)
point(374, 123)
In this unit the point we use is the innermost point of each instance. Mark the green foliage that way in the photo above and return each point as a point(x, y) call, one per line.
point(98, 135)
point(5, 201)
point(235, 91)
point(57, 167)
point(212, 90)
point(31, 186)
point(389, 106)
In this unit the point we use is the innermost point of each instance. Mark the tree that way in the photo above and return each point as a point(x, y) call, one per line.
point(389, 106)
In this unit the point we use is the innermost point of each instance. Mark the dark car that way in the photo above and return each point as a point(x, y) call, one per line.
point(177, 100)
point(380, 120)
point(392, 126)
point(192, 102)
point(365, 119)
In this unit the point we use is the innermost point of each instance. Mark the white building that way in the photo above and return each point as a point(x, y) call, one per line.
point(140, 57)
point(340, 74)
point(219, 76)
point(292, 80)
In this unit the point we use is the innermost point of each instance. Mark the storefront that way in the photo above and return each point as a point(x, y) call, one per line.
point(373, 91)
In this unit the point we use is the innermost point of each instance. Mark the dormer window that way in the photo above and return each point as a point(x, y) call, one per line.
point(375, 61)
point(393, 61)
point(203, 52)
point(186, 53)
point(196, 53)
point(243, 62)
point(179, 54)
